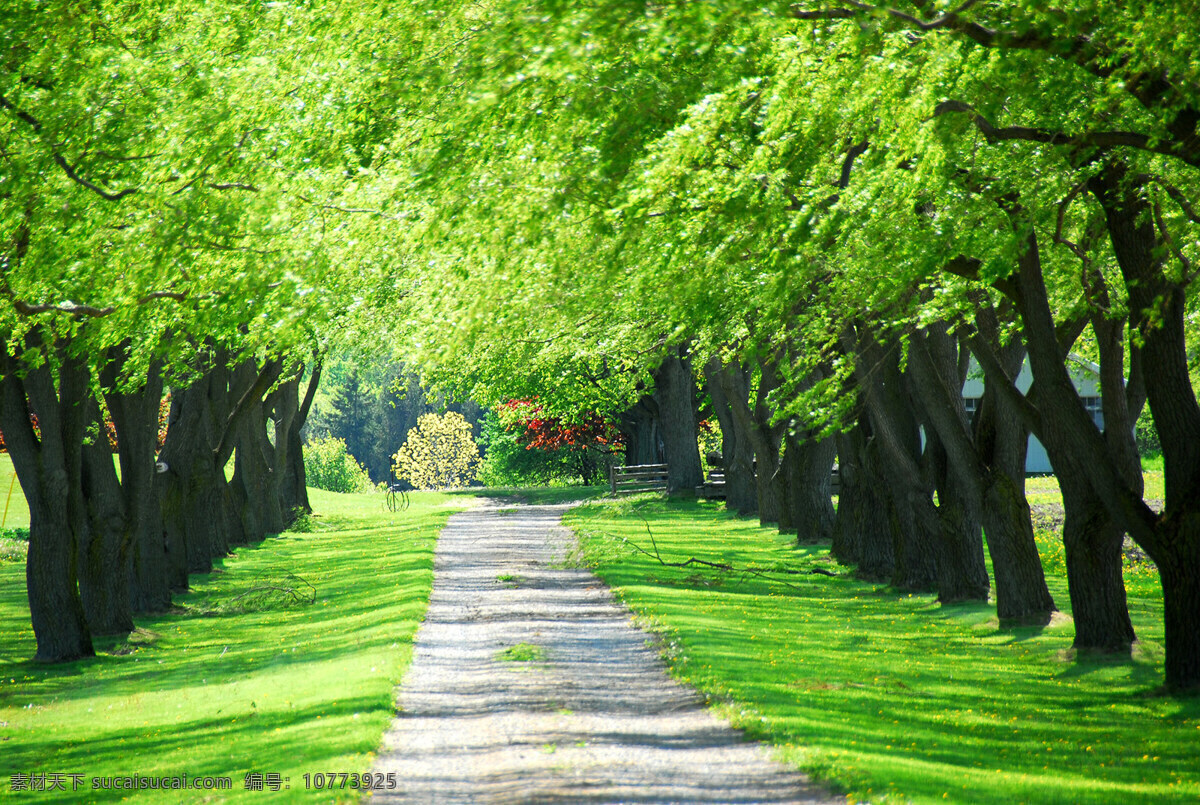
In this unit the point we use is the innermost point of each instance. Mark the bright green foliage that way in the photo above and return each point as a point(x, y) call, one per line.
point(893, 697)
point(507, 462)
point(440, 453)
point(293, 690)
point(328, 466)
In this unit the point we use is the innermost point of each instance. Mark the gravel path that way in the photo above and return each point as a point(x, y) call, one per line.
point(592, 718)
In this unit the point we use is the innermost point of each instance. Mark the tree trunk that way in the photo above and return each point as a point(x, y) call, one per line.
point(1094, 575)
point(736, 449)
point(1091, 536)
point(1002, 441)
point(862, 533)
point(765, 438)
point(191, 509)
point(809, 465)
point(961, 569)
point(1157, 305)
point(104, 550)
point(255, 486)
point(911, 514)
point(50, 469)
point(1181, 608)
point(639, 426)
point(135, 417)
point(294, 486)
point(1021, 593)
point(675, 394)
point(937, 371)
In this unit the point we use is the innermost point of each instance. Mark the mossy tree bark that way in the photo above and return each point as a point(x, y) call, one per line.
point(675, 395)
point(49, 465)
point(984, 473)
point(862, 533)
point(736, 448)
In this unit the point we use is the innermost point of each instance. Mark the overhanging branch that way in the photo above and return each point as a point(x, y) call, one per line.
point(1094, 139)
point(60, 160)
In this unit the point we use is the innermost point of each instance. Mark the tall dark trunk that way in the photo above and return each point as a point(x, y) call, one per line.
point(50, 469)
point(1095, 579)
point(192, 493)
point(255, 486)
point(151, 572)
point(1180, 576)
point(1157, 307)
point(736, 448)
point(765, 438)
point(639, 427)
point(985, 472)
point(912, 517)
point(962, 571)
point(808, 463)
point(937, 372)
point(135, 417)
point(675, 394)
point(104, 549)
point(1091, 535)
point(1002, 441)
point(862, 533)
point(294, 486)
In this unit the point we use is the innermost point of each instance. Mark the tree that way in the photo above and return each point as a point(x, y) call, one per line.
point(760, 188)
point(157, 217)
point(439, 453)
point(583, 448)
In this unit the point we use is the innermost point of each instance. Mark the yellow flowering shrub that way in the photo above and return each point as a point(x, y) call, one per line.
point(439, 453)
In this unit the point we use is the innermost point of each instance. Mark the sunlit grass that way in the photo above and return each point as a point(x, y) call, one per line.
point(14, 511)
point(541, 494)
point(892, 697)
point(290, 690)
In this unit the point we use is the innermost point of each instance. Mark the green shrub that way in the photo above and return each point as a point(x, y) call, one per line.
point(1146, 434)
point(507, 462)
point(328, 466)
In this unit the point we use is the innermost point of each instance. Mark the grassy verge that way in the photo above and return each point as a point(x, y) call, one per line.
point(14, 511)
point(890, 697)
point(229, 685)
point(539, 495)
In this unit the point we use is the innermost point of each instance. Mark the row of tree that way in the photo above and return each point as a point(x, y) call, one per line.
point(821, 208)
point(825, 210)
point(176, 213)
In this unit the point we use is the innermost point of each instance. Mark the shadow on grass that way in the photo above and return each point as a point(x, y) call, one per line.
point(891, 694)
point(537, 495)
point(292, 689)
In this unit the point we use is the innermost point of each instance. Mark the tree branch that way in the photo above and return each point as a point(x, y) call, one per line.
point(74, 309)
point(1092, 139)
point(1187, 273)
point(266, 378)
point(1156, 88)
point(1174, 192)
point(36, 125)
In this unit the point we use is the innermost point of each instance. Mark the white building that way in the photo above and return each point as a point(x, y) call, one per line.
point(1084, 373)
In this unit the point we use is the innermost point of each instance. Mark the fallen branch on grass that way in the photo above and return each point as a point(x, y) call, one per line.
point(694, 561)
point(292, 589)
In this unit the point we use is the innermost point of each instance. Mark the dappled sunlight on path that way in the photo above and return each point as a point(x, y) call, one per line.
point(529, 684)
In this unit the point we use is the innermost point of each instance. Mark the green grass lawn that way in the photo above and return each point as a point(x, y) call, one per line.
point(895, 698)
point(14, 511)
point(213, 689)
